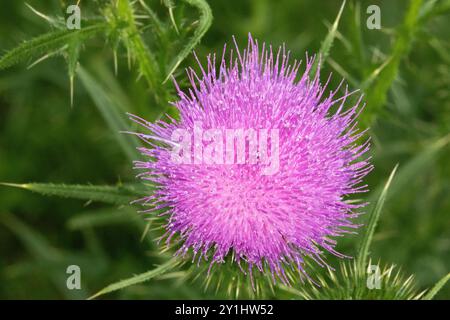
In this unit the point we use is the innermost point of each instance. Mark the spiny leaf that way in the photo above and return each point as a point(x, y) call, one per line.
point(328, 42)
point(139, 51)
point(111, 112)
point(108, 194)
point(373, 220)
point(46, 43)
point(203, 26)
point(157, 23)
point(437, 287)
point(377, 94)
point(348, 283)
point(146, 276)
point(356, 37)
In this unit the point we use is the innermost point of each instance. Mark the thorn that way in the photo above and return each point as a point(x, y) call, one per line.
point(40, 14)
point(172, 70)
point(172, 18)
point(48, 55)
point(146, 230)
point(71, 91)
point(14, 185)
point(115, 63)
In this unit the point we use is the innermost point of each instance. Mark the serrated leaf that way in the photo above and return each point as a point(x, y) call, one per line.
point(46, 43)
point(328, 41)
point(347, 283)
point(205, 21)
point(146, 276)
point(108, 194)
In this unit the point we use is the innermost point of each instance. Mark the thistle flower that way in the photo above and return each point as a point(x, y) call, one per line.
point(220, 210)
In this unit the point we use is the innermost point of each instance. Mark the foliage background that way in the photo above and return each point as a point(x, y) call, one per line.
point(44, 139)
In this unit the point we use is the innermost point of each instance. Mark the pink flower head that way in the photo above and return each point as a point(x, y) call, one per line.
point(223, 204)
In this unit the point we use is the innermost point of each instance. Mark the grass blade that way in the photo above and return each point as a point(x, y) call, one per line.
point(438, 286)
point(111, 112)
point(373, 220)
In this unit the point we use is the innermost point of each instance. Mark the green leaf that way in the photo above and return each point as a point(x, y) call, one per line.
point(434, 8)
point(413, 167)
point(437, 287)
point(205, 21)
point(328, 41)
point(146, 276)
point(373, 220)
point(46, 43)
point(108, 194)
point(111, 112)
point(102, 217)
point(348, 283)
point(377, 93)
point(154, 18)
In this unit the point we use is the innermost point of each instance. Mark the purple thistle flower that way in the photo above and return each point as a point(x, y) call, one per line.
point(264, 221)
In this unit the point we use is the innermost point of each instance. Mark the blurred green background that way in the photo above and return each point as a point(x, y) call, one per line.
point(44, 139)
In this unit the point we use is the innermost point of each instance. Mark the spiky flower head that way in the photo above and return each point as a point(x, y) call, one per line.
point(277, 196)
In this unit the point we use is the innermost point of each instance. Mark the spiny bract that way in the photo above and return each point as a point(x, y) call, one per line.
point(261, 221)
